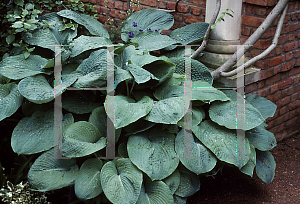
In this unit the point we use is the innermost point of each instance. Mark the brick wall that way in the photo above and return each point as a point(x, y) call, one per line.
point(280, 75)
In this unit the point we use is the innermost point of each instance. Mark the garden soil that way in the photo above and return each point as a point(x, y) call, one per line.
point(234, 187)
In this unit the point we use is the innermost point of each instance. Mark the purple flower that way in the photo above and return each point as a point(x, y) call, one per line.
point(148, 29)
point(168, 35)
point(161, 33)
point(130, 34)
point(156, 31)
point(140, 31)
point(134, 24)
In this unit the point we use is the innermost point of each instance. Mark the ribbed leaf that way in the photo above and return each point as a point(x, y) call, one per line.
point(263, 105)
point(82, 138)
point(138, 126)
point(36, 133)
point(91, 24)
point(147, 18)
point(48, 173)
point(122, 75)
point(16, 67)
point(190, 33)
point(127, 110)
point(153, 153)
point(167, 111)
point(265, 166)
point(79, 103)
point(94, 69)
point(261, 138)
point(150, 41)
point(198, 70)
point(88, 183)
point(121, 181)
point(249, 167)
point(48, 37)
point(189, 183)
point(225, 113)
point(200, 159)
point(179, 200)
point(222, 142)
point(198, 115)
point(10, 100)
point(173, 181)
point(155, 192)
point(84, 43)
point(3, 79)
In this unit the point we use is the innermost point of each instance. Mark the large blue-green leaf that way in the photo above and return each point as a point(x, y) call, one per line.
point(155, 192)
point(37, 89)
point(222, 142)
point(3, 79)
point(28, 108)
point(79, 103)
point(91, 24)
point(121, 60)
point(179, 200)
point(173, 181)
point(153, 153)
point(140, 75)
point(48, 173)
point(127, 110)
point(265, 166)
point(249, 167)
point(16, 67)
point(121, 181)
point(147, 18)
point(261, 138)
point(198, 70)
point(200, 160)
point(36, 133)
point(94, 69)
point(167, 111)
point(84, 43)
point(82, 138)
point(198, 115)
point(122, 75)
point(263, 105)
point(150, 41)
point(48, 37)
point(88, 183)
point(189, 183)
point(138, 126)
point(225, 113)
point(203, 91)
point(10, 100)
point(190, 33)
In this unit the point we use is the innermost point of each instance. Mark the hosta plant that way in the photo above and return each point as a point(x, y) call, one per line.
point(156, 160)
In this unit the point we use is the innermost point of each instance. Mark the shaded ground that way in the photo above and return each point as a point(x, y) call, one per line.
point(235, 187)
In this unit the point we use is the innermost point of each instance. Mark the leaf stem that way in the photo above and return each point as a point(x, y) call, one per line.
point(132, 87)
point(127, 87)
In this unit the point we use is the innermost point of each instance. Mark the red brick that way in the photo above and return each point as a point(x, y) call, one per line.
point(251, 87)
point(281, 119)
point(298, 62)
point(249, 8)
point(284, 93)
point(119, 5)
point(294, 113)
point(183, 8)
point(102, 19)
point(294, 97)
point(199, 2)
point(269, 33)
point(196, 10)
point(85, 1)
point(273, 130)
point(279, 49)
point(118, 14)
point(294, 16)
point(266, 74)
point(280, 127)
point(294, 105)
point(162, 4)
point(290, 46)
point(110, 4)
point(260, 10)
point(294, 89)
point(273, 79)
point(288, 66)
point(263, 64)
point(93, 1)
point(263, 92)
point(203, 11)
point(297, 79)
point(298, 33)
point(262, 44)
point(252, 21)
point(281, 135)
point(177, 25)
point(292, 27)
point(101, 2)
point(289, 56)
point(192, 19)
point(247, 31)
point(270, 125)
point(291, 36)
point(152, 3)
point(285, 84)
point(284, 75)
point(261, 2)
point(296, 53)
point(178, 17)
point(277, 60)
point(282, 39)
point(261, 84)
point(277, 69)
point(273, 88)
point(171, 5)
point(286, 19)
